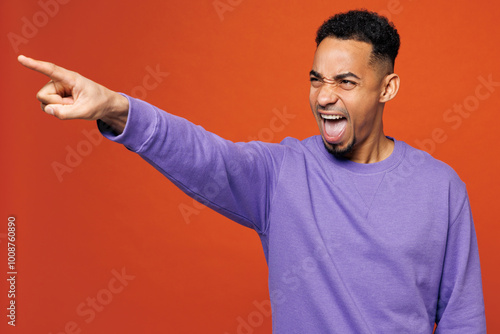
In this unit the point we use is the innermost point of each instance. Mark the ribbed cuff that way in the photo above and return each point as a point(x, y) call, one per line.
point(141, 124)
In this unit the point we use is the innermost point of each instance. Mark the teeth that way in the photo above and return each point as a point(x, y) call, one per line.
point(331, 116)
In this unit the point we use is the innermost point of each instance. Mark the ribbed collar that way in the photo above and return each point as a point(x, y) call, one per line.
point(390, 162)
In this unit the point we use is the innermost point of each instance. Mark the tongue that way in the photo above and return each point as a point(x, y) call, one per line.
point(334, 129)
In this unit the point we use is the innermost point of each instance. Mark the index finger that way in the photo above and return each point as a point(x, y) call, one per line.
point(49, 69)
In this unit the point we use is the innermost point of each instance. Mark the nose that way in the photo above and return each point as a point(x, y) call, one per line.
point(327, 94)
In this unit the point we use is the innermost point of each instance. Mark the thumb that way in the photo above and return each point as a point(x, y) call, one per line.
point(61, 111)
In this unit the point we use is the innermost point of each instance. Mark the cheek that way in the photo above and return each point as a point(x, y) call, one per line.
point(363, 116)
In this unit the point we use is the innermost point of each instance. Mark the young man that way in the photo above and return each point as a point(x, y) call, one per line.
point(361, 232)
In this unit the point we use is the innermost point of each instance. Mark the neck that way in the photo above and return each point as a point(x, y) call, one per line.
point(372, 150)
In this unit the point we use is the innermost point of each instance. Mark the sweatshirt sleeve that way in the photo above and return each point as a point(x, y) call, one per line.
point(460, 306)
point(234, 179)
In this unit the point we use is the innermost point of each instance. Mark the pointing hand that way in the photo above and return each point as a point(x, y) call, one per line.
point(68, 95)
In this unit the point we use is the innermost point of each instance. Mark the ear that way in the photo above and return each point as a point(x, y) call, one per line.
point(390, 87)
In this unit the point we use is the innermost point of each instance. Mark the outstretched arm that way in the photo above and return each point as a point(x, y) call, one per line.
point(235, 179)
point(68, 95)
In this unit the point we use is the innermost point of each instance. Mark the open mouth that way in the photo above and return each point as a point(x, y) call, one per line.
point(334, 127)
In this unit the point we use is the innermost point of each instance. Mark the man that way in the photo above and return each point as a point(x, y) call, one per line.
point(361, 232)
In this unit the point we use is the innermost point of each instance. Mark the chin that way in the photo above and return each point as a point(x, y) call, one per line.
point(339, 150)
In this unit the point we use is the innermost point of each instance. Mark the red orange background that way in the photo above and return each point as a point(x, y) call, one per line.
point(228, 71)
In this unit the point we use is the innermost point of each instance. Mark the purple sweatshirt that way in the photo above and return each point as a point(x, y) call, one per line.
point(387, 247)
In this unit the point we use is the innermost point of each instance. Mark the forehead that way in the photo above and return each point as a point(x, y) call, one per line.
point(334, 56)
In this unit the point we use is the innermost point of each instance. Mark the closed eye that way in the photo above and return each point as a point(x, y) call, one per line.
point(315, 82)
point(340, 80)
point(347, 84)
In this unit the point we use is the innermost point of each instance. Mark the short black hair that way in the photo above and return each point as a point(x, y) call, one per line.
point(364, 26)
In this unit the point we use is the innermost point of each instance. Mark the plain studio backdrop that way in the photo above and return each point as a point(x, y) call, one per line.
point(105, 244)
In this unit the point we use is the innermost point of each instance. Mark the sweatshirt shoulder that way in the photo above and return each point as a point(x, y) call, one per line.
point(431, 167)
point(300, 145)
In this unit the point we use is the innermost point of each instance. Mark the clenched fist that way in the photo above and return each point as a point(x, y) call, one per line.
point(68, 95)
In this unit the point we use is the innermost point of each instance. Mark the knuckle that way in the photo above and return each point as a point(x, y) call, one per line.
point(61, 116)
point(52, 67)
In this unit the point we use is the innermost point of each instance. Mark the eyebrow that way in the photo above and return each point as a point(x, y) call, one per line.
point(337, 77)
